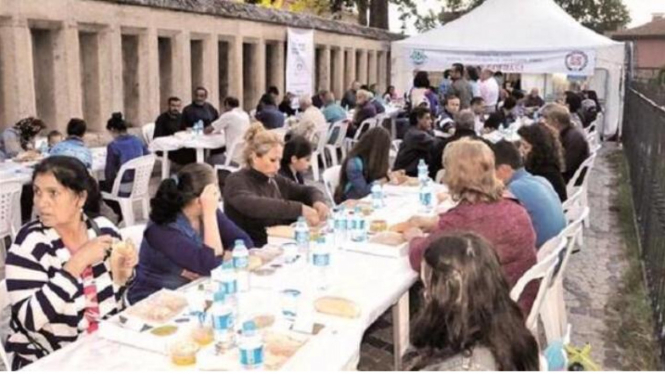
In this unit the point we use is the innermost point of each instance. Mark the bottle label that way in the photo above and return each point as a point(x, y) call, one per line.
point(223, 322)
point(251, 357)
point(426, 199)
point(321, 259)
point(240, 262)
point(229, 287)
point(302, 236)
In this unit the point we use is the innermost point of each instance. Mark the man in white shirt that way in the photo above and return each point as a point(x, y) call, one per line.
point(234, 122)
point(312, 121)
point(489, 90)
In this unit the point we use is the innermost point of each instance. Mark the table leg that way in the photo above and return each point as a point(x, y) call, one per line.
point(400, 329)
point(166, 165)
point(200, 157)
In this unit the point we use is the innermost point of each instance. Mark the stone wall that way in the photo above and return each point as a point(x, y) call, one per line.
point(88, 58)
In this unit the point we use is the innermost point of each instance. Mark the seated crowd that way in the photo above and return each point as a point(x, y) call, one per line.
point(62, 280)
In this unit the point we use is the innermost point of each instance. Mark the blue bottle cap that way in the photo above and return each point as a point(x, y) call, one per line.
point(248, 327)
point(239, 242)
point(219, 296)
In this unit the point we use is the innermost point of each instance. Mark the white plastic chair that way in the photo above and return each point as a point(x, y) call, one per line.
point(236, 147)
point(554, 314)
point(365, 126)
point(394, 150)
point(573, 206)
point(320, 152)
point(10, 213)
point(331, 179)
point(593, 138)
point(148, 131)
point(338, 129)
point(133, 233)
point(584, 171)
point(142, 167)
point(4, 325)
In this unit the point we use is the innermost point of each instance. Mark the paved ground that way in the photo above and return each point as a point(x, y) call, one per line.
point(592, 276)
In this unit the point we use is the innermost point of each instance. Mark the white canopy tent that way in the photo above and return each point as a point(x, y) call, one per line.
point(535, 38)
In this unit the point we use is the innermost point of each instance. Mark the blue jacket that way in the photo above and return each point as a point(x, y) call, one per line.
point(73, 146)
point(334, 113)
point(121, 150)
point(169, 249)
point(270, 117)
point(541, 202)
point(357, 186)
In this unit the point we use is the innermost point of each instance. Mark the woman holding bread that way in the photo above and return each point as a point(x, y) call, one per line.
point(257, 197)
point(484, 208)
point(187, 233)
point(61, 277)
point(468, 321)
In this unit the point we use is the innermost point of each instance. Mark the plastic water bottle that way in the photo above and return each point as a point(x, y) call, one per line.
point(302, 235)
point(251, 347)
point(198, 127)
point(241, 264)
point(377, 195)
point(223, 321)
point(229, 286)
point(359, 232)
point(339, 233)
point(321, 262)
point(423, 173)
point(426, 196)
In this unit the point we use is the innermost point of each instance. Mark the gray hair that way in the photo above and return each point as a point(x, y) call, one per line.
point(305, 101)
point(465, 120)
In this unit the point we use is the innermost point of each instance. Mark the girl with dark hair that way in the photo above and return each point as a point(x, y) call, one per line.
point(61, 278)
point(296, 159)
point(468, 321)
point(539, 150)
point(20, 138)
point(422, 95)
point(365, 164)
point(122, 149)
point(187, 233)
point(390, 95)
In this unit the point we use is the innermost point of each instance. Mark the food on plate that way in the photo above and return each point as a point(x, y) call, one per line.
point(183, 353)
point(283, 231)
point(378, 225)
point(159, 308)
point(28, 156)
point(203, 335)
point(264, 321)
point(279, 348)
point(165, 330)
point(401, 227)
point(255, 262)
point(122, 252)
point(388, 238)
point(337, 306)
point(264, 272)
point(410, 182)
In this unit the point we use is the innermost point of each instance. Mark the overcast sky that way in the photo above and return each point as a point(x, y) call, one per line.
point(640, 12)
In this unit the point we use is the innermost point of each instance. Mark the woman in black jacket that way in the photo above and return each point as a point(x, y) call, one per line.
point(539, 149)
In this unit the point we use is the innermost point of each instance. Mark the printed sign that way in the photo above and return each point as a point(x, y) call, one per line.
point(300, 62)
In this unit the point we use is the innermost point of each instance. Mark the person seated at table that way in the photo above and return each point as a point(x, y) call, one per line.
point(272, 91)
point(187, 233)
point(445, 121)
point(364, 110)
point(169, 122)
point(257, 197)
point(286, 105)
point(332, 111)
point(318, 100)
point(123, 148)
point(234, 122)
point(464, 128)
point(54, 137)
point(390, 95)
point(535, 193)
point(74, 146)
point(417, 144)
point(296, 159)
point(20, 138)
point(349, 98)
point(538, 146)
point(492, 123)
point(422, 93)
point(484, 209)
point(573, 140)
point(311, 123)
point(61, 279)
point(468, 320)
point(199, 110)
point(366, 163)
point(378, 105)
point(270, 116)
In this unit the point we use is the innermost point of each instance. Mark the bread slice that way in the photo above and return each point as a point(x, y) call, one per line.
point(337, 306)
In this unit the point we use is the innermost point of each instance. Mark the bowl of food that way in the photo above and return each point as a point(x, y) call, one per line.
point(378, 225)
point(183, 352)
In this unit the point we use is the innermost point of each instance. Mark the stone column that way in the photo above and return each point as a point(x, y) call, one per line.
point(278, 67)
point(259, 67)
point(372, 74)
point(148, 77)
point(211, 68)
point(235, 63)
point(361, 74)
point(182, 67)
point(18, 86)
point(324, 69)
point(68, 90)
point(110, 71)
point(338, 74)
point(383, 71)
point(349, 68)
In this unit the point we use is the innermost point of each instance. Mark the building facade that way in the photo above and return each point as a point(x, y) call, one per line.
point(88, 58)
point(648, 46)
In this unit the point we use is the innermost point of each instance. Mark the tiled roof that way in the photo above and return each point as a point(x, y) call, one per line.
point(655, 28)
point(232, 9)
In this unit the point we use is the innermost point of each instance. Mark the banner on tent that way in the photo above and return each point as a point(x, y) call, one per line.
point(571, 62)
point(300, 61)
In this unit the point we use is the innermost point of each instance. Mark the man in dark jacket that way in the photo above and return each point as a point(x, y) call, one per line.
point(199, 110)
point(270, 116)
point(349, 98)
point(465, 122)
point(576, 147)
point(417, 144)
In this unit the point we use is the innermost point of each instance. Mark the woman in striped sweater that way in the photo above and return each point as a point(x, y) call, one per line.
point(58, 269)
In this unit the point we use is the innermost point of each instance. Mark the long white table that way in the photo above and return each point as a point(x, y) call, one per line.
point(375, 283)
point(200, 143)
point(21, 172)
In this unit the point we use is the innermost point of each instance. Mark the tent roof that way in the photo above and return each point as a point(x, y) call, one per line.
point(511, 26)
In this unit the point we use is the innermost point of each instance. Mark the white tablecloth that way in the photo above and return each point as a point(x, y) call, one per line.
point(22, 171)
point(185, 140)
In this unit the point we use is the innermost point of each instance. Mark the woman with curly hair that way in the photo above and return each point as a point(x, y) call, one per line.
point(540, 149)
point(468, 321)
point(20, 138)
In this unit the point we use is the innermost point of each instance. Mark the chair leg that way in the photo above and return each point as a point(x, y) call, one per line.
point(146, 208)
point(3, 251)
point(127, 212)
point(585, 202)
point(315, 165)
